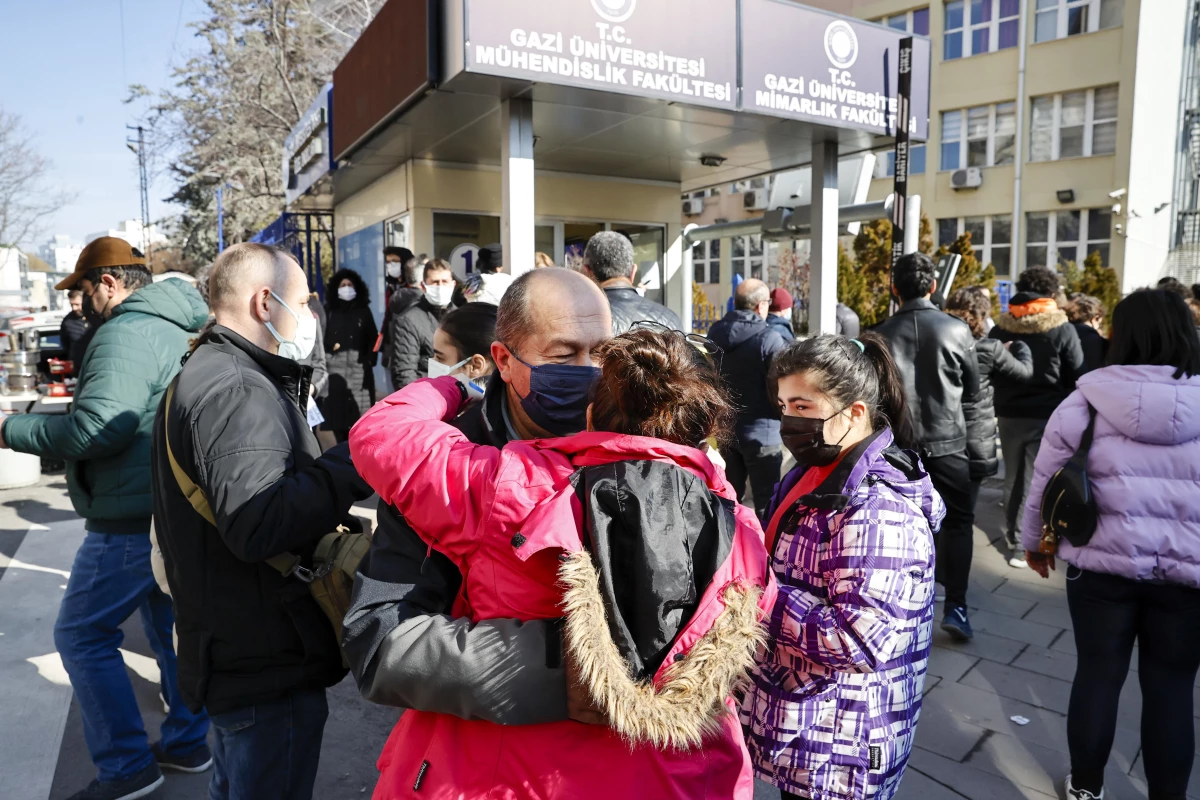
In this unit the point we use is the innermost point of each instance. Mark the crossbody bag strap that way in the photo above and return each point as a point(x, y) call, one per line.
point(286, 563)
point(1085, 442)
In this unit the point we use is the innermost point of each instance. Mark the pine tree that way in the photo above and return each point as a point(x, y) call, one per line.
point(1100, 282)
point(852, 288)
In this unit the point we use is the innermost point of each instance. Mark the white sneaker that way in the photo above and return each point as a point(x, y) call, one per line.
point(1081, 794)
point(1017, 560)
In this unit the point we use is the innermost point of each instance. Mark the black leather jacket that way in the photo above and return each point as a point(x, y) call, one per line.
point(935, 353)
point(629, 307)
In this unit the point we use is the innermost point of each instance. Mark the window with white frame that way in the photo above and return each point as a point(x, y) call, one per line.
point(984, 136)
point(1058, 19)
point(1055, 237)
point(885, 165)
point(1074, 124)
point(973, 27)
point(706, 261)
point(991, 237)
point(914, 21)
point(747, 256)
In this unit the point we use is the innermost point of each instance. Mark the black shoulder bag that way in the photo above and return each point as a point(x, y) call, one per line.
point(1068, 504)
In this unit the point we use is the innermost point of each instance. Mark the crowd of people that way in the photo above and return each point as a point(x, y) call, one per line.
point(564, 590)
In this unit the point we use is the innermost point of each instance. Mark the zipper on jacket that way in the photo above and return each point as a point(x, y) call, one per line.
point(421, 776)
point(428, 554)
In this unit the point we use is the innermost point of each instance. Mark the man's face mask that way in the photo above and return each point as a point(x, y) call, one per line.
point(804, 437)
point(301, 346)
point(393, 269)
point(558, 396)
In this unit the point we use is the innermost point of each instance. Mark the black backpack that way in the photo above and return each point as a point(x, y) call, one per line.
point(1068, 504)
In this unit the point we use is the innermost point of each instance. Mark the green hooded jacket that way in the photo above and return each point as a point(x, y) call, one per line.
point(105, 439)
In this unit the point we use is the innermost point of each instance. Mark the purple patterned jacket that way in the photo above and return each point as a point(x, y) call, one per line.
point(833, 704)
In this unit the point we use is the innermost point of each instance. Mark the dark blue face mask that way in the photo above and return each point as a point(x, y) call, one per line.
point(558, 396)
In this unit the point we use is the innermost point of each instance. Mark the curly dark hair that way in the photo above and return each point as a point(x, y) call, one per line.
point(362, 298)
point(1083, 308)
point(1039, 280)
point(914, 276)
point(972, 307)
point(650, 386)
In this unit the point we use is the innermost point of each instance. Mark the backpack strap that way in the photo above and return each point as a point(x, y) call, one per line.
point(286, 563)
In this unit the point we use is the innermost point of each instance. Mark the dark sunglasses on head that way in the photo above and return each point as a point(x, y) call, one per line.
point(711, 351)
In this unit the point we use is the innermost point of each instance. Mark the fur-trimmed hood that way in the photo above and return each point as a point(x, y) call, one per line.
point(1032, 323)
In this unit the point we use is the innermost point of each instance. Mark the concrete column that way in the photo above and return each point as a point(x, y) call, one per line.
point(687, 277)
point(912, 224)
point(822, 293)
point(516, 169)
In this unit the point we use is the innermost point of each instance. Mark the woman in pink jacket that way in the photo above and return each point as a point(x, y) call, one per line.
point(627, 532)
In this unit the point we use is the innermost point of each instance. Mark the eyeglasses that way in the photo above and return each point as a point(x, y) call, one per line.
point(711, 351)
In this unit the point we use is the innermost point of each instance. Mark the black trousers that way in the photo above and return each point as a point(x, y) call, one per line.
point(951, 477)
point(1109, 614)
point(761, 464)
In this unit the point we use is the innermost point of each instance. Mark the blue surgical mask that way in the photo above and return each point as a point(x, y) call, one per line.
point(558, 396)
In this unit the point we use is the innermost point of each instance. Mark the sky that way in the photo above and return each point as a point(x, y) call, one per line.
point(64, 71)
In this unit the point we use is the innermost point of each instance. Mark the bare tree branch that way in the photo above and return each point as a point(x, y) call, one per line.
point(26, 199)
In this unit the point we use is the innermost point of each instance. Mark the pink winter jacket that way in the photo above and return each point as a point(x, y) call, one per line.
point(511, 521)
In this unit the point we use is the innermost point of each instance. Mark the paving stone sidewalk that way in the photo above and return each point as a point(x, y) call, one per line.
point(1020, 663)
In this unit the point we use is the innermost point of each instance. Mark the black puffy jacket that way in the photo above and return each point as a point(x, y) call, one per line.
point(995, 360)
point(246, 633)
point(935, 354)
point(1057, 360)
point(749, 345)
point(629, 307)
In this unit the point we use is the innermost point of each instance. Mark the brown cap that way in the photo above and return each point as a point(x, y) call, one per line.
point(107, 251)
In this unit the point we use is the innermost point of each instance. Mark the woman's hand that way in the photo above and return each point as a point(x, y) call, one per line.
point(1040, 563)
point(579, 700)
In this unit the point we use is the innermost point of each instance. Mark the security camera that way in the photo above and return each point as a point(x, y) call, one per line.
point(1116, 194)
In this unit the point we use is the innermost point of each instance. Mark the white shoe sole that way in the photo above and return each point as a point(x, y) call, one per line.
point(1017, 562)
point(145, 790)
point(190, 770)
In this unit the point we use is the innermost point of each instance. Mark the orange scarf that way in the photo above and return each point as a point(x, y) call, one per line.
point(1040, 306)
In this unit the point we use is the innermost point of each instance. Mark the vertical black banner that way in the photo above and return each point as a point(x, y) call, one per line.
point(903, 120)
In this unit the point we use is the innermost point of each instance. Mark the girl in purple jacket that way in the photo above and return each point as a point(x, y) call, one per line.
point(1138, 578)
point(834, 702)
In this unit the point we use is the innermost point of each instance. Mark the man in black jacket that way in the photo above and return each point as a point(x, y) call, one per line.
point(411, 330)
point(404, 648)
point(608, 260)
point(254, 647)
point(402, 290)
point(756, 451)
point(1024, 407)
point(72, 333)
point(935, 354)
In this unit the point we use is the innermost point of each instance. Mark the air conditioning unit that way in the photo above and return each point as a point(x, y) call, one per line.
point(756, 200)
point(969, 178)
point(693, 207)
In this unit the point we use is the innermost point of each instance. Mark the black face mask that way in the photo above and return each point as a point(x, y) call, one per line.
point(804, 437)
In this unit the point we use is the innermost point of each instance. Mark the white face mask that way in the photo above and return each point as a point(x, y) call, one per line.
point(300, 347)
point(393, 269)
point(439, 296)
point(347, 293)
point(436, 369)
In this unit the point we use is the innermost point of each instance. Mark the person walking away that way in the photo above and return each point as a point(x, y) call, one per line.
point(1014, 362)
point(834, 700)
point(462, 347)
point(1087, 317)
point(1023, 407)
point(488, 284)
point(608, 260)
point(846, 321)
point(349, 352)
point(779, 313)
point(412, 330)
point(935, 353)
point(105, 440)
point(662, 669)
point(1137, 580)
point(755, 451)
point(72, 333)
point(255, 648)
point(408, 645)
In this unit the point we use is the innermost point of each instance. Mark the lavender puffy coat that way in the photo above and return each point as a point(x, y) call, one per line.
point(1145, 472)
point(835, 698)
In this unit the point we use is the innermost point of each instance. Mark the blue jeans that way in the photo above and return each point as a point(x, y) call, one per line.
point(269, 751)
point(110, 580)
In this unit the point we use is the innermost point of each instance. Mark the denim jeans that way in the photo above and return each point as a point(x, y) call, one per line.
point(269, 751)
point(112, 578)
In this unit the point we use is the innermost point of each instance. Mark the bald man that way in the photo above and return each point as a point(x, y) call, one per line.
point(254, 647)
point(404, 648)
point(756, 451)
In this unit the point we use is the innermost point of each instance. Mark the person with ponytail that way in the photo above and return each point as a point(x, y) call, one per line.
point(630, 536)
point(834, 700)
